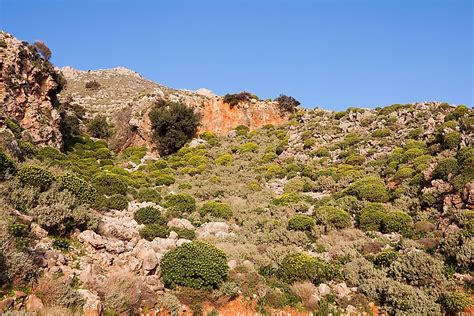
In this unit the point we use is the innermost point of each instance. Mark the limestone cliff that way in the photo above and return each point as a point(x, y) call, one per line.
point(28, 88)
point(124, 96)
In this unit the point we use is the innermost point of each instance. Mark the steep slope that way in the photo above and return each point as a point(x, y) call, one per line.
point(124, 96)
point(28, 89)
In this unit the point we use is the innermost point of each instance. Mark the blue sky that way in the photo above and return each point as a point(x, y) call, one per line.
point(331, 54)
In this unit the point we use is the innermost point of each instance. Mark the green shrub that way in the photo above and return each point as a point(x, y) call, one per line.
point(236, 98)
point(458, 112)
point(148, 195)
point(404, 173)
point(372, 217)
point(110, 184)
point(287, 198)
point(36, 176)
point(386, 257)
point(163, 179)
point(445, 167)
point(309, 143)
point(84, 192)
point(184, 232)
point(456, 302)
point(274, 170)
point(418, 268)
point(369, 188)
point(298, 266)
point(151, 231)
point(7, 165)
point(321, 152)
point(180, 203)
point(452, 140)
point(287, 103)
point(216, 209)
point(13, 127)
point(116, 202)
point(334, 217)
point(224, 160)
point(396, 221)
point(355, 160)
point(173, 125)
point(248, 147)
point(301, 223)
point(195, 264)
point(98, 127)
point(148, 215)
point(27, 148)
point(380, 133)
point(242, 130)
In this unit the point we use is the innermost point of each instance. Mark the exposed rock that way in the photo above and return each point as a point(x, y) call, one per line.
point(217, 229)
point(28, 88)
point(6, 304)
point(33, 303)
point(324, 289)
point(37, 231)
point(341, 290)
point(180, 223)
point(92, 238)
point(92, 306)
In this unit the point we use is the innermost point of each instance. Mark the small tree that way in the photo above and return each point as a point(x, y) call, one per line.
point(287, 103)
point(98, 127)
point(173, 125)
point(42, 49)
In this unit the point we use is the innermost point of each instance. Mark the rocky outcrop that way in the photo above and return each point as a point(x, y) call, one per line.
point(28, 88)
point(124, 96)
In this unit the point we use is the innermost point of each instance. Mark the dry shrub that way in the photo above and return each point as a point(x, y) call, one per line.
point(57, 311)
point(44, 50)
point(122, 293)
point(305, 290)
point(58, 292)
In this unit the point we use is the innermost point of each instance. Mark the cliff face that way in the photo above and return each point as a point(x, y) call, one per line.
point(124, 96)
point(28, 88)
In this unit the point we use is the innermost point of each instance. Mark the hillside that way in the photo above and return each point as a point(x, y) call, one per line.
point(364, 211)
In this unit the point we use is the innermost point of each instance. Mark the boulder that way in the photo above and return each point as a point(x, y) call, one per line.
point(33, 303)
point(217, 229)
point(92, 238)
point(324, 289)
point(93, 305)
point(180, 223)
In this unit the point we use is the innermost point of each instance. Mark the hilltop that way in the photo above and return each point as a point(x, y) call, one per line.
point(265, 207)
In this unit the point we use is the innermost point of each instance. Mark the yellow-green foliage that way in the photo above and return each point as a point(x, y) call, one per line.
point(216, 209)
point(301, 222)
point(370, 188)
point(248, 147)
point(84, 192)
point(36, 176)
point(224, 160)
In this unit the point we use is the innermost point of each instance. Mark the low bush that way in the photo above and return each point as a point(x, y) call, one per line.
point(109, 184)
point(287, 103)
point(148, 195)
point(36, 176)
point(396, 221)
point(371, 217)
point(445, 167)
point(301, 223)
point(151, 231)
point(224, 160)
point(386, 257)
point(451, 140)
point(98, 127)
point(148, 215)
point(236, 98)
point(248, 147)
point(195, 264)
point(83, 191)
point(92, 85)
point(369, 188)
point(380, 133)
point(184, 233)
point(298, 266)
point(7, 165)
point(216, 209)
point(164, 179)
point(334, 217)
point(114, 202)
point(179, 203)
point(456, 302)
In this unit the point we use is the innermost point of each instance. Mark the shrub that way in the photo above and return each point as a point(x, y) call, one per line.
point(114, 202)
point(287, 103)
point(452, 140)
point(248, 147)
point(42, 49)
point(36, 176)
point(84, 192)
point(372, 217)
point(185, 233)
point(224, 160)
point(122, 293)
point(242, 130)
point(380, 133)
point(216, 209)
point(322, 152)
point(110, 184)
point(396, 221)
point(301, 223)
point(236, 98)
point(151, 231)
point(445, 167)
point(298, 266)
point(355, 160)
point(334, 217)
point(195, 264)
point(386, 257)
point(404, 173)
point(173, 125)
point(287, 198)
point(6, 165)
point(163, 179)
point(180, 203)
point(99, 127)
point(148, 195)
point(456, 302)
point(458, 112)
point(308, 143)
point(148, 215)
point(92, 85)
point(369, 188)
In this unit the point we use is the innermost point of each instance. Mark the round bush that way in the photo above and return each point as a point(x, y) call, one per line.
point(164, 179)
point(116, 202)
point(396, 221)
point(404, 173)
point(151, 231)
point(334, 217)
point(370, 188)
point(84, 192)
point(224, 160)
point(148, 215)
point(6, 165)
point(196, 265)
point(298, 266)
point(386, 257)
point(301, 223)
point(452, 140)
point(216, 209)
point(456, 302)
point(372, 217)
point(148, 195)
point(180, 203)
point(36, 176)
point(185, 233)
point(109, 184)
point(445, 167)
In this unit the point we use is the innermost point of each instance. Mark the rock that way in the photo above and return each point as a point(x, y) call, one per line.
point(173, 235)
point(324, 289)
point(6, 304)
point(217, 229)
point(196, 142)
point(468, 194)
point(33, 303)
point(181, 241)
point(153, 282)
point(37, 231)
point(115, 246)
point(92, 238)
point(232, 264)
point(180, 223)
point(341, 290)
point(150, 260)
point(92, 306)
point(134, 264)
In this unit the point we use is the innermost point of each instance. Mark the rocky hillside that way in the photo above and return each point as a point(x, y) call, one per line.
point(359, 212)
point(28, 89)
point(124, 96)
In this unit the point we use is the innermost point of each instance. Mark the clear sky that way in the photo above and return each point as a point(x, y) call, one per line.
point(331, 54)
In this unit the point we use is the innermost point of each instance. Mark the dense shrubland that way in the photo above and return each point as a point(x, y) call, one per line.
point(361, 197)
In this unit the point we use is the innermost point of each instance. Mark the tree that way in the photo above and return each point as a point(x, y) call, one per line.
point(287, 103)
point(173, 125)
point(98, 127)
point(44, 50)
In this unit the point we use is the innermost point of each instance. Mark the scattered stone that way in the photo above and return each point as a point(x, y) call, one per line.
point(33, 303)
